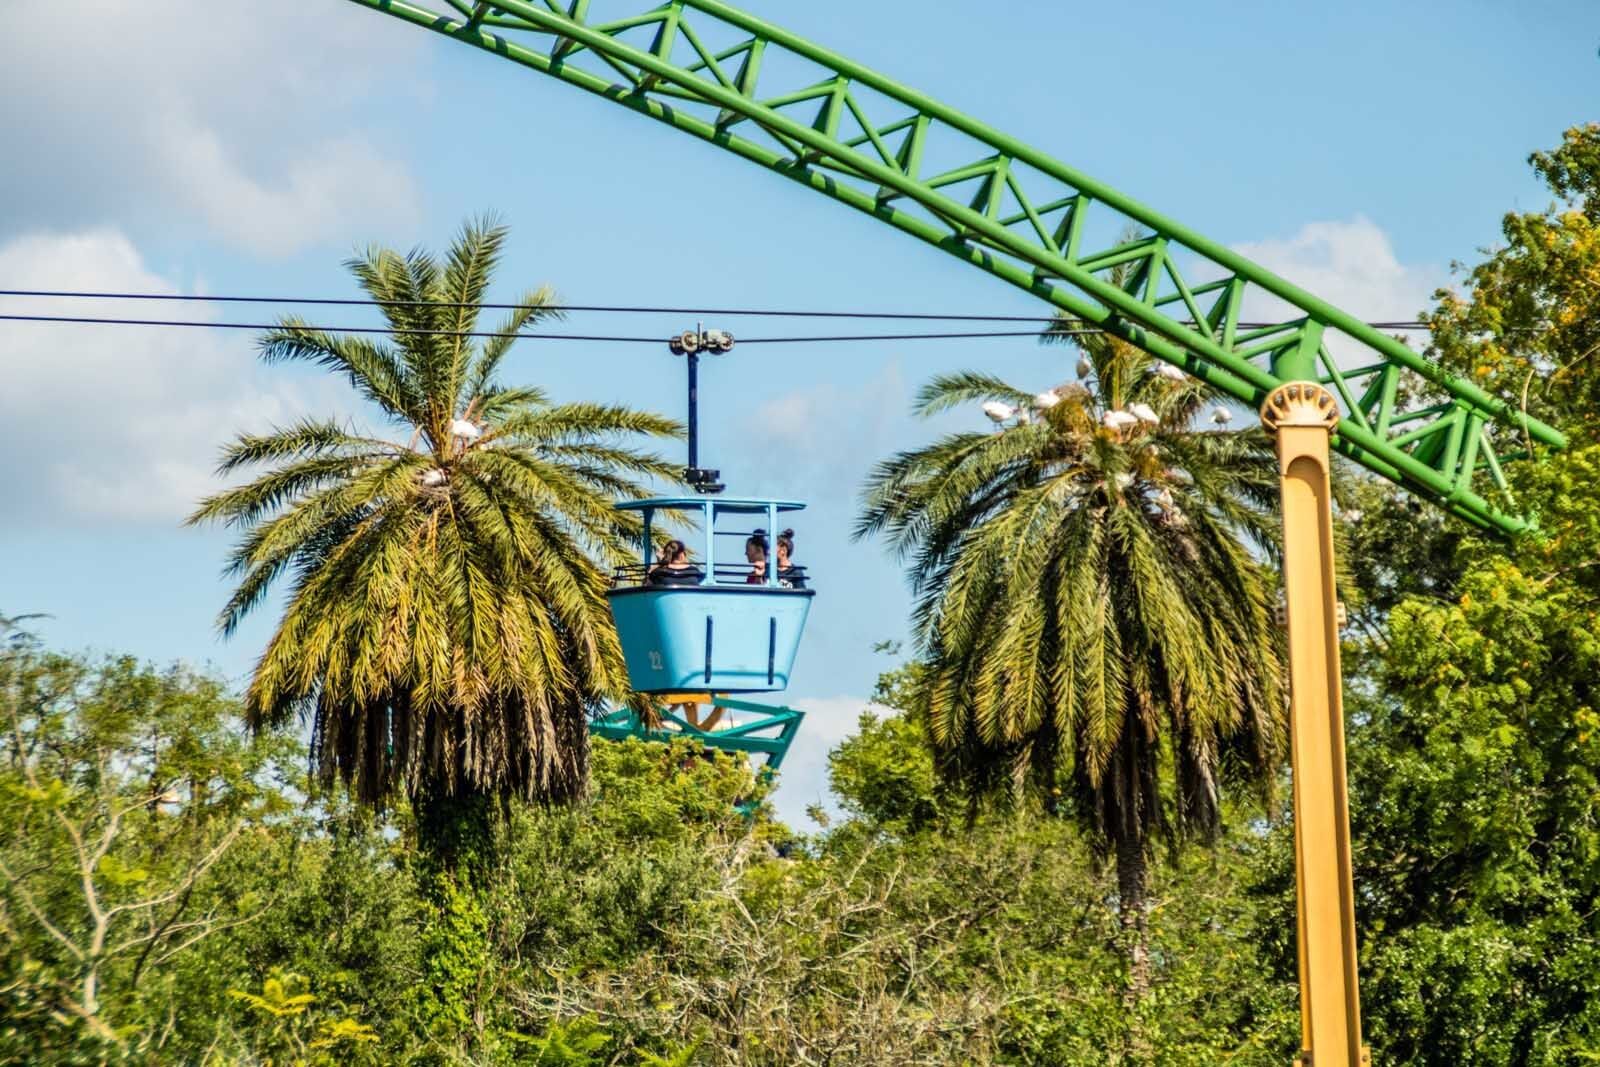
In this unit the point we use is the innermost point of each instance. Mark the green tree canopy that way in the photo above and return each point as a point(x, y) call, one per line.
point(1528, 325)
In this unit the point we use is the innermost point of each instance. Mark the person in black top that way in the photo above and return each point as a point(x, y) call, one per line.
point(675, 568)
point(789, 576)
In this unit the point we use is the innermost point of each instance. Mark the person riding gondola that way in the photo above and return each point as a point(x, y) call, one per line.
point(789, 576)
point(675, 567)
point(755, 553)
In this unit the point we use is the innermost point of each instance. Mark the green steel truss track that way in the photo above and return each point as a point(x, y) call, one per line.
point(847, 132)
point(767, 731)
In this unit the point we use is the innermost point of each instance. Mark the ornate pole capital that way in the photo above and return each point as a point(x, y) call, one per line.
point(1300, 404)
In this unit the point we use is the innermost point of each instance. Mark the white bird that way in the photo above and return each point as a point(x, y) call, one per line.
point(1164, 498)
point(1221, 415)
point(1143, 413)
point(1170, 373)
point(1118, 420)
point(464, 429)
point(1124, 480)
point(997, 411)
point(1084, 366)
point(434, 477)
point(1047, 399)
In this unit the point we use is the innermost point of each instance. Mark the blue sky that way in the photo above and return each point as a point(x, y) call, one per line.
point(1358, 148)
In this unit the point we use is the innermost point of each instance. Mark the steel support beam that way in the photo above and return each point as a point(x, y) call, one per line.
point(1303, 415)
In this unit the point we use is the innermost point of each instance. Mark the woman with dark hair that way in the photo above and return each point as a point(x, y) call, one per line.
point(675, 567)
point(755, 551)
point(789, 576)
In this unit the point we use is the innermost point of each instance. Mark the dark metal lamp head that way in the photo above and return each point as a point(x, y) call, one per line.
point(703, 481)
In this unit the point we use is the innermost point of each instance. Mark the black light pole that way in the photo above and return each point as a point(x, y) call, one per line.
point(689, 344)
point(694, 410)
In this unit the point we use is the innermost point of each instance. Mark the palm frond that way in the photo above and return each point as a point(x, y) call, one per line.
point(468, 267)
point(371, 367)
point(576, 422)
point(952, 390)
point(533, 307)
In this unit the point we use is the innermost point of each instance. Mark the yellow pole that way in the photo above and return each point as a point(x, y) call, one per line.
point(1303, 415)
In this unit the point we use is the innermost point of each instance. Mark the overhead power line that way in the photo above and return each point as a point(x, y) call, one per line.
point(606, 309)
point(91, 321)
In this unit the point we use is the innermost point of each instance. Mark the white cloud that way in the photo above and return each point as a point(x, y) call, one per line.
point(120, 423)
point(229, 120)
point(1351, 265)
point(803, 778)
point(345, 183)
point(826, 434)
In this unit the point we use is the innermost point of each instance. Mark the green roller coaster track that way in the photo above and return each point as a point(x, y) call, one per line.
point(1007, 208)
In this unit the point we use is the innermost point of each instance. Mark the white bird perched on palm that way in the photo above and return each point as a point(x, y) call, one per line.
point(1171, 373)
point(465, 430)
point(1118, 420)
point(1047, 400)
point(1084, 366)
point(997, 411)
point(1144, 413)
point(1220, 416)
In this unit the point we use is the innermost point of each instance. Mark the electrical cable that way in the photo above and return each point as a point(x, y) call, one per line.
point(90, 321)
point(610, 309)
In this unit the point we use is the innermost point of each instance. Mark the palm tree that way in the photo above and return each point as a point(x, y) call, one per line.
point(1088, 601)
point(446, 629)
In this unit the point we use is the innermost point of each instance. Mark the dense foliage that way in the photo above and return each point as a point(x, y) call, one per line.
point(651, 923)
point(1526, 327)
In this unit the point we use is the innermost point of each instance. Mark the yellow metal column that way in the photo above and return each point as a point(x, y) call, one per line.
point(1303, 415)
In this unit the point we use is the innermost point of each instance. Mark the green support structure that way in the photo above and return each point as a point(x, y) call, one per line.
point(767, 732)
point(1015, 212)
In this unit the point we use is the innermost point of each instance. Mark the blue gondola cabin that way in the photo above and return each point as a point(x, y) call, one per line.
point(711, 624)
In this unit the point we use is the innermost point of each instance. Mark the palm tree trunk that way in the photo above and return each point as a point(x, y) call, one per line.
point(457, 834)
point(457, 844)
point(1132, 874)
point(1132, 783)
